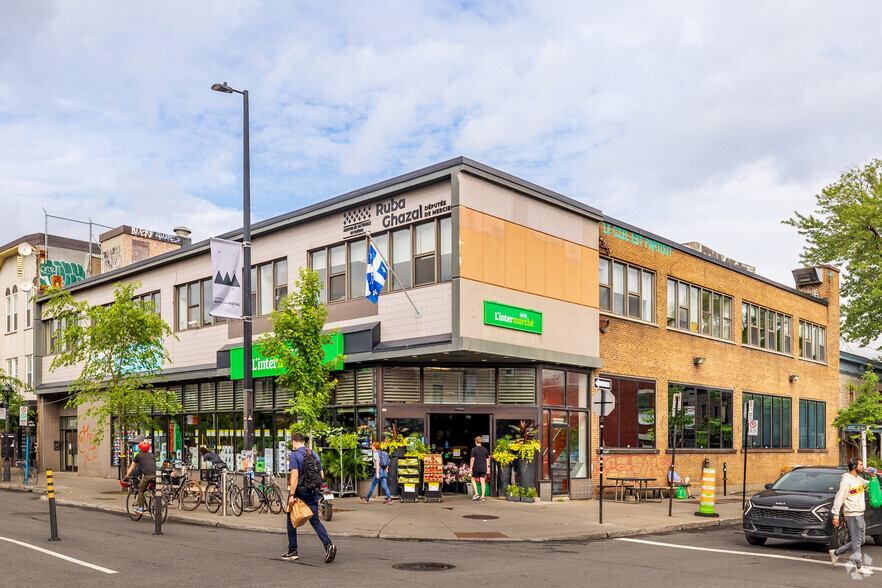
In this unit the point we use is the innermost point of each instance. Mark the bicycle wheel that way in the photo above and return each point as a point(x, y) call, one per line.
point(21, 474)
point(274, 500)
point(251, 499)
point(32, 475)
point(132, 505)
point(235, 497)
point(190, 495)
point(212, 497)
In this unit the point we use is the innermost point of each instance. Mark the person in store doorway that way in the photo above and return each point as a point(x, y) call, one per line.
point(850, 498)
point(479, 465)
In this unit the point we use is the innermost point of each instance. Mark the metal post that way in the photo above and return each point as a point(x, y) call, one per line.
point(744, 435)
point(602, 409)
point(675, 404)
point(223, 492)
point(157, 504)
point(7, 394)
point(27, 458)
point(53, 522)
point(247, 383)
point(724, 478)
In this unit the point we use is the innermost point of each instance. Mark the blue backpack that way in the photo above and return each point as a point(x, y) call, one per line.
point(383, 458)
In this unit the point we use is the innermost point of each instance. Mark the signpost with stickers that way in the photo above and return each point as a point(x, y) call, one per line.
point(752, 431)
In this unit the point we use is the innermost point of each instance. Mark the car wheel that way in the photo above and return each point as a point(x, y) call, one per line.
point(877, 539)
point(754, 540)
point(841, 536)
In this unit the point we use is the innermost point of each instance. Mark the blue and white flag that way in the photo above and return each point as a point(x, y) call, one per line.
point(376, 274)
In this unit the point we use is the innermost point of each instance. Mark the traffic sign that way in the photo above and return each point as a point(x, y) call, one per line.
point(752, 428)
point(750, 410)
point(599, 406)
point(603, 383)
point(678, 399)
point(22, 415)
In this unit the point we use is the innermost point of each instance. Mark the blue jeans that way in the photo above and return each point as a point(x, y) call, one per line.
point(383, 485)
point(311, 500)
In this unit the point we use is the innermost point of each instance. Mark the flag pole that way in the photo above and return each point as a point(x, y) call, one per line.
point(419, 314)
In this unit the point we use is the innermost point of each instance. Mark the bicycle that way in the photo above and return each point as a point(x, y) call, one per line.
point(132, 500)
point(32, 472)
point(264, 496)
point(187, 492)
point(214, 499)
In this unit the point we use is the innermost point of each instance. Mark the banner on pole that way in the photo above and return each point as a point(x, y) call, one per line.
point(226, 283)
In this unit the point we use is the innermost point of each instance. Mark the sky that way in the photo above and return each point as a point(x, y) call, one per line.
point(697, 121)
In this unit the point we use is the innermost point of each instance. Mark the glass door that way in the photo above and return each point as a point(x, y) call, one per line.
point(558, 445)
point(70, 451)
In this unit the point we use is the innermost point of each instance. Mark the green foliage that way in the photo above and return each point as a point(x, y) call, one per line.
point(502, 453)
point(416, 447)
point(531, 493)
point(296, 342)
point(15, 400)
point(513, 490)
point(120, 348)
point(524, 444)
point(847, 231)
point(866, 410)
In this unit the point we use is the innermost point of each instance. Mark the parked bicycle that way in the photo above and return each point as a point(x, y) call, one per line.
point(264, 495)
point(186, 492)
point(213, 497)
point(132, 500)
point(32, 471)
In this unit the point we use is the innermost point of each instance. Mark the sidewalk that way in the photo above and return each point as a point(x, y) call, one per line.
point(458, 518)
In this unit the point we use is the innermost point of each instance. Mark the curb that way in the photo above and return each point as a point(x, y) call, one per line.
point(578, 538)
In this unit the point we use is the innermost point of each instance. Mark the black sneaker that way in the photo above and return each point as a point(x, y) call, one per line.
point(291, 556)
point(331, 553)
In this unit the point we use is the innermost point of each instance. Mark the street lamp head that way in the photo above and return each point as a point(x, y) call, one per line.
point(222, 88)
point(7, 392)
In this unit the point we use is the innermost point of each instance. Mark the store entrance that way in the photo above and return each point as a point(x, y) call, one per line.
point(453, 436)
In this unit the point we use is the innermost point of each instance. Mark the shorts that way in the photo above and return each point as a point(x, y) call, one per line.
point(480, 475)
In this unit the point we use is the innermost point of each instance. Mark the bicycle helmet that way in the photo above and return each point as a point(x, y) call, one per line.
point(144, 446)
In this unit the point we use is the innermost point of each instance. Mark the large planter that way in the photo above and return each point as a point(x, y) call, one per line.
point(392, 475)
point(525, 472)
point(503, 478)
point(362, 487)
point(398, 452)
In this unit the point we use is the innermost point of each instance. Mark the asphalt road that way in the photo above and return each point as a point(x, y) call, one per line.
point(105, 549)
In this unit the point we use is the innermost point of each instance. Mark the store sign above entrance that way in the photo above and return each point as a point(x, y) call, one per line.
point(262, 367)
point(512, 317)
point(394, 212)
point(636, 239)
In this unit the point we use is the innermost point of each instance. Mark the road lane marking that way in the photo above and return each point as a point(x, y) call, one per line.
point(64, 557)
point(733, 552)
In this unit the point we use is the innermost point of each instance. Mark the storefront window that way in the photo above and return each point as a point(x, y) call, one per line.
point(553, 388)
point(459, 385)
point(366, 423)
point(346, 418)
point(773, 416)
point(631, 424)
point(190, 451)
point(812, 424)
point(578, 444)
point(229, 438)
point(704, 422)
point(283, 440)
point(577, 390)
point(517, 386)
point(263, 440)
point(401, 384)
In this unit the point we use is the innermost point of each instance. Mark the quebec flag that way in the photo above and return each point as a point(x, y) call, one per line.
point(376, 274)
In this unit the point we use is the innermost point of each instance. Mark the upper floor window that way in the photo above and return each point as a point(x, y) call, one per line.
point(52, 330)
point(269, 284)
point(12, 367)
point(626, 290)
point(418, 254)
point(699, 310)
point(812, 341)
point(193, 302)
point(765, 328)
point(153, 297)
point(29, 370)
point(12, 309)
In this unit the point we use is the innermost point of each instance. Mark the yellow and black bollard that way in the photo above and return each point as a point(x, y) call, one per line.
point(53, 522)
point(157, 504)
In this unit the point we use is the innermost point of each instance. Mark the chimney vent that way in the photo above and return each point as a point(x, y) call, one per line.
point(182, 232)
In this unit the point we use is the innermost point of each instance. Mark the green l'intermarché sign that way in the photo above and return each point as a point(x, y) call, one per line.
point(262, 367)
point(512, 317)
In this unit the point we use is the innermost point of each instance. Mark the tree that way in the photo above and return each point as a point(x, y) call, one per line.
point(15, 401)
point(848, 232)
point(297, 344)
point(864, 412)
point(120, 348)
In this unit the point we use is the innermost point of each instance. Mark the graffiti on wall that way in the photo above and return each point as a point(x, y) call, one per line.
point(68, 273)
point(112, 258)
point(648, 465)
point(86, 444)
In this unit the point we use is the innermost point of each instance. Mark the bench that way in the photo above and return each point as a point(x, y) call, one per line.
point(655, 493)
point(616, 488)
point(686, 486)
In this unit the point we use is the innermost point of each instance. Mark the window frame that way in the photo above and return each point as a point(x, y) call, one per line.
point(198, 307)
point(697, 391)
point(639, 295)
point(777, 331)
point(12, 309)
point(775, 414)
point(711, 317)
point(820, 433)
point(812, 341)
point(616, 427)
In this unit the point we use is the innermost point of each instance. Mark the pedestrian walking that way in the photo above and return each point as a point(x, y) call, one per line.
point(301, 461)
point(479, 465)
point(850, 498)
point(381, 464)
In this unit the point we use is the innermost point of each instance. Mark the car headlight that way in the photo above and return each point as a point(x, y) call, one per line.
point(822, 512)
point(749, 507)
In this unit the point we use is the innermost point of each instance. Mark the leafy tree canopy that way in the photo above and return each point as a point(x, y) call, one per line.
point(866, 410)
point(15, 400)
point(296, 342)
point(120, 349)
point(846, 230)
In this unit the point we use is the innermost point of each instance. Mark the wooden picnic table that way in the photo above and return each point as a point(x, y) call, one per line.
point(634, 485)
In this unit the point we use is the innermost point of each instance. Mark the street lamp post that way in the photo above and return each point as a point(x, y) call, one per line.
point(247, 383)
point(7, 395)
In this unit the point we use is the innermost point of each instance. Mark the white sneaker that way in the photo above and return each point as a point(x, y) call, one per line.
point(833, 557)
point(864, 571)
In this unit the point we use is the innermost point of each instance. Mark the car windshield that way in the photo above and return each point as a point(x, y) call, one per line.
point(808, 481)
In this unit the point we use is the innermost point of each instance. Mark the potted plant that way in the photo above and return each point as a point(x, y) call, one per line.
point(513, 493)
point(529, 495)
point(504, 458)
point(525, 446)
point(395, 442)
point(450, 473)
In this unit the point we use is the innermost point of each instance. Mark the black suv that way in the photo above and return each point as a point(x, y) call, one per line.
point(797, 507)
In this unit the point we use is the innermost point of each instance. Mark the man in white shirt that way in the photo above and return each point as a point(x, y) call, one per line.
point(850, 498)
